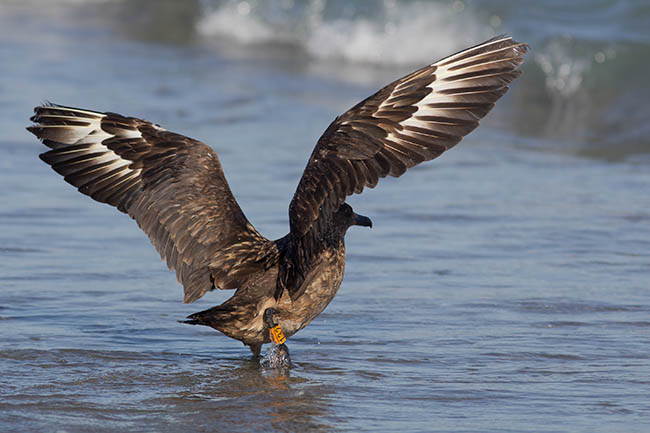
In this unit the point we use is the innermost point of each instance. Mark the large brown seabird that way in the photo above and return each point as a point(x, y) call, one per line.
point(175, 189)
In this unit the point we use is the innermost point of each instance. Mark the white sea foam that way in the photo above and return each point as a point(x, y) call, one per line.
point(58, 3)
point(235, 21)
point(391, 33)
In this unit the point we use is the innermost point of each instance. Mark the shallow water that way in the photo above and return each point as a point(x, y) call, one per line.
point(503, 288)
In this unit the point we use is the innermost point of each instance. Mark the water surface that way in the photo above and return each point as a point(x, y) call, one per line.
point(503, 287)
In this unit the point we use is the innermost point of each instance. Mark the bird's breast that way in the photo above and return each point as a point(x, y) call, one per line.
point(320, 286)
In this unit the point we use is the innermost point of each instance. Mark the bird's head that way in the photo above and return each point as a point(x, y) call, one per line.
point(346, 218)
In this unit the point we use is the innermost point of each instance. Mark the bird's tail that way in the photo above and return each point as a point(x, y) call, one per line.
point(191, 320)
point(212, 317)
point(230, 319)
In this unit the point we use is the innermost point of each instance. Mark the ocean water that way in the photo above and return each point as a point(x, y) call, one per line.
point(504, 287)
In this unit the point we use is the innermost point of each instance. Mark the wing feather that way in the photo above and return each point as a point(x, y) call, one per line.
point(173, 186)
point(412, 120)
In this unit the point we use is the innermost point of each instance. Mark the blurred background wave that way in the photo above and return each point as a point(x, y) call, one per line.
point(585, 84)
point(585, 87)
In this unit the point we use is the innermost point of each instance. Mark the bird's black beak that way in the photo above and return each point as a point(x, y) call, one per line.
point(363, 221)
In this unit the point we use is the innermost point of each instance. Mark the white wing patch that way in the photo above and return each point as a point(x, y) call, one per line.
point(461, 93)
point(80, 153)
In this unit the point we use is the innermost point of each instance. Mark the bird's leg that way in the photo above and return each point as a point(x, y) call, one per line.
point(278, 356)
point(275, 332)
point(270, 322)
point(256, 349)
point(268, 317)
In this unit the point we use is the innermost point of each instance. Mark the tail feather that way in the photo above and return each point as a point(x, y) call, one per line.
point(190, 322)
point(196, 319)
point(212, 317)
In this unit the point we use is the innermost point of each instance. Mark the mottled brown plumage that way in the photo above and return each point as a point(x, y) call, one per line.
point(175, 189)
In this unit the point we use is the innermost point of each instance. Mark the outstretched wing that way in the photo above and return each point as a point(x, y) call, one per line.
point(412, 120)
point(173, 186)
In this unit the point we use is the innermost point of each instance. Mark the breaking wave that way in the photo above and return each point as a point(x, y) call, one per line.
point(585, 79)
point(385, 32)
point(585, 72)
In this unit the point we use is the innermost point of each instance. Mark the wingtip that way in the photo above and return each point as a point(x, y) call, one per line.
point(522, 48)
point(45, 104)
point(188, 298)
point(503, 37)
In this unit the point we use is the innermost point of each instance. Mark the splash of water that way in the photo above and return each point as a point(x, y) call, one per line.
point(276, 357)
point(389, 33)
